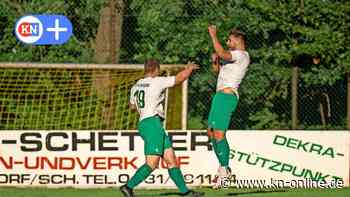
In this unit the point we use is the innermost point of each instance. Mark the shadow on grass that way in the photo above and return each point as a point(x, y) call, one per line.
point(254, 192)
point(170, 194)
point(164, 194)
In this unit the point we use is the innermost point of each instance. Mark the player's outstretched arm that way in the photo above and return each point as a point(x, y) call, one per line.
point(222, 53)
point(185, 73)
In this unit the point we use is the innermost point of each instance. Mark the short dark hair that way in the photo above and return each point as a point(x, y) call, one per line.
point(239, 34)
point(151, 65)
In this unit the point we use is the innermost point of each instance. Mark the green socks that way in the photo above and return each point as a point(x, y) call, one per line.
point(176, 175)
point(222, 151)
point(215, 147)
point(144, 171)
point(141, 174)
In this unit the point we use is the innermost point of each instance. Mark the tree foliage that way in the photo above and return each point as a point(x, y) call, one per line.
point(281, 34)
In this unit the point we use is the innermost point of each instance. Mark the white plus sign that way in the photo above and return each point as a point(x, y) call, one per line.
point(57, 29)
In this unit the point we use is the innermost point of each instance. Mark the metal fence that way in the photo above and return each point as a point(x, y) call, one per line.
point(117, 31)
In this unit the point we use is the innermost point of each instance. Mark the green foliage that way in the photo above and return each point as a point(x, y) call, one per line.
point(281, 34)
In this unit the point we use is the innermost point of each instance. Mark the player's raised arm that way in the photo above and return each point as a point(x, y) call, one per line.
point(185, 74)
point(220, 51)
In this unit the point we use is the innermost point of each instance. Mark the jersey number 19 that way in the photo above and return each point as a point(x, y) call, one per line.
point(140, 98)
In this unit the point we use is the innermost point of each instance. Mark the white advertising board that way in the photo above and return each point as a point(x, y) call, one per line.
point(110, 158)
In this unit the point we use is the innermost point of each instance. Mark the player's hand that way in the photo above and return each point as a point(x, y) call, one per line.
point(212, 30)
point(192, 66)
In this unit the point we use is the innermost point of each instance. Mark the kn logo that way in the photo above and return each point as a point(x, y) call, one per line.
point(29, 29)
point(43, 29)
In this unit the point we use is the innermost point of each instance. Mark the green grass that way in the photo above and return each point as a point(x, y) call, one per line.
point(112, 192)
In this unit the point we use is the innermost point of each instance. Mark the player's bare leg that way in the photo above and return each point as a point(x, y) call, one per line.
point(153, 161)
point(176, 175)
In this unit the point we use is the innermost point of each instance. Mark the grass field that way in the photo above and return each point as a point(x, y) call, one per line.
point(111, 192)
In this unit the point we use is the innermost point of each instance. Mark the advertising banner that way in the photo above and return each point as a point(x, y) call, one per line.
point(110, 158)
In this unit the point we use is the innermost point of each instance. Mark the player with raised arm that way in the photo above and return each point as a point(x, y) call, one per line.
point(230, 74)
point(147, 96)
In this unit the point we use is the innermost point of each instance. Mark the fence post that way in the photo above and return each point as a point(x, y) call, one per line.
point(348, 102)
point(295, 76)
point(295, 85)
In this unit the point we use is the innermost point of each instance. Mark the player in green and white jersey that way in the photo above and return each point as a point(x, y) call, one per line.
point(147, 96)
point(224, 103)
